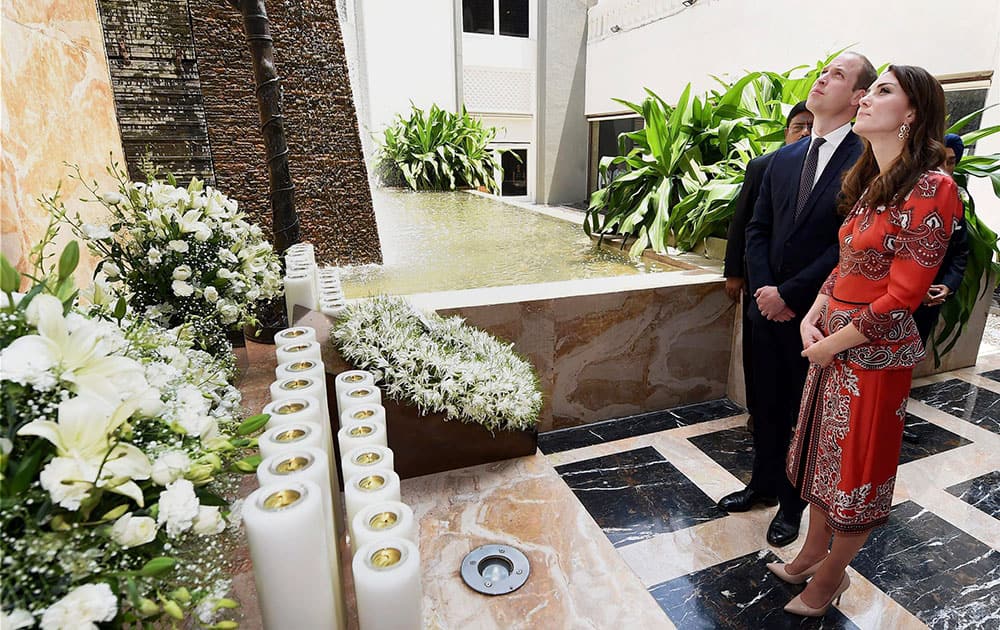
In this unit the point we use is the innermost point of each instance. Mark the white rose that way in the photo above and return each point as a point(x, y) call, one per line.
point(181, 288)
point(96, 232)
point(111, 198)
point(63, 476)
point(81, 608)
point(154, 256)
point(228, 310)
point(178, 507)
point(170, 466)
point(224, 273)
point(111, 270)
point(209, 521)
point(211, 294)
point(178, 246)
point(132, 531)
point(182, 272)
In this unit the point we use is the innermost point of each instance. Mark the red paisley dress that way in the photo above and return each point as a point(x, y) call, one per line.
point(845, 449)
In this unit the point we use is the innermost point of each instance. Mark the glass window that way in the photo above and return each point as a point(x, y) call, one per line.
point(961, 103)
point(514, 18)
point(477, 16)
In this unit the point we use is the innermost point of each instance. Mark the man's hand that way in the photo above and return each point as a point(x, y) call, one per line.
point(937, 294)
point(734, 286)
point(770, 303)
point(786, 315)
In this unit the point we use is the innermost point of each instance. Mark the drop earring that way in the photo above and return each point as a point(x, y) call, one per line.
point(904, 131)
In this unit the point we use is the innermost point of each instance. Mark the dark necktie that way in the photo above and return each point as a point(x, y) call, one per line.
point(808, 175)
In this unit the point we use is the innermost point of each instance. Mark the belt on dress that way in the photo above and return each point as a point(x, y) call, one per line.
point(852, 303)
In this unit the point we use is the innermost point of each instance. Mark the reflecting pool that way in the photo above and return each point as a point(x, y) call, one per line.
point(456, 240)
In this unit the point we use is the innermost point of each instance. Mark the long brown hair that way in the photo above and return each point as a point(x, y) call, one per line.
point(922, 150)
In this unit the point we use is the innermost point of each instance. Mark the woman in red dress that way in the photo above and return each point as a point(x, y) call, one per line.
point(859, 335)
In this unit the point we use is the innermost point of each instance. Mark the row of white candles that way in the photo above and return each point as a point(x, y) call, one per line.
point(294, 520)
point(309, 286)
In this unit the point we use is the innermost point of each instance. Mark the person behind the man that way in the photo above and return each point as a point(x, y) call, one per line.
point(798, 125)
point(953, 268)
point(791, 247)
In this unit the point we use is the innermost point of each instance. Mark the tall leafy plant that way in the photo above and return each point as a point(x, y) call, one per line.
point(438, 150)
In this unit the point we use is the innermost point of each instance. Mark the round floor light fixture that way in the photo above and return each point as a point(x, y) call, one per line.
point(495, 569)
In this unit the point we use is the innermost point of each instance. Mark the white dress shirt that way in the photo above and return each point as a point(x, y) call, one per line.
point(828, 148)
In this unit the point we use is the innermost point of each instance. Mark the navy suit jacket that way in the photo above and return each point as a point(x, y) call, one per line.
point(736, 238)
point(797, 256)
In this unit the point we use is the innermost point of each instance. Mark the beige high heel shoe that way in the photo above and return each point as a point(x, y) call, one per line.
point(778, 568)
point(798, 607)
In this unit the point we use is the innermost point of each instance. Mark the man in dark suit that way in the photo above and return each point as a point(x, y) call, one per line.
point(798, 125)
point(791, 249)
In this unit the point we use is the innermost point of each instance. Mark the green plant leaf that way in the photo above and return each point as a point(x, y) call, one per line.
point(69, 259)
point(253, 424)
point(157, 566)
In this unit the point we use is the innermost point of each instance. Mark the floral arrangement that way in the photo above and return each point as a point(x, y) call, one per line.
point(112, 440)
point(440, 365)
point(180, 255)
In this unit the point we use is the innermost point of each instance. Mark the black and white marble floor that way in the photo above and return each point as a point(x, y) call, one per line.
point(650, 483)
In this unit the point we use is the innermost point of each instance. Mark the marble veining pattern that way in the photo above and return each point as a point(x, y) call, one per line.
point(983, 493)
point(923, 438)
point(637, 494)
point(939, 573)
point(732, 449)
point(632, 426)
point(992, 374)
point(737, 594)
point(963, 400)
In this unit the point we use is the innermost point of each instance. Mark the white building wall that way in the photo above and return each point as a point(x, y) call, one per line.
point(409, 55)
point(660, 44)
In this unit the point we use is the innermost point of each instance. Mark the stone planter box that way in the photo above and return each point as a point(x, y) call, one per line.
point(421, 444)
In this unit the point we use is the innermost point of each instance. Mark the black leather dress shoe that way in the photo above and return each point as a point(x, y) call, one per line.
point(784, 528)
point(745, 499)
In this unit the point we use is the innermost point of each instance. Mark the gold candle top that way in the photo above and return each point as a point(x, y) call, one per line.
point(301, 366)
point(371, 483)
point(367, 458)
point(361, 414)
point(292, 464)
point(292, 332)
point(292, 407)
point(282, 499)
point(383, 520)
point(360, 392)
point(352, 378)
point(297, 348)
point(291, 435)
point(296, 383)
point(386, 557)
point(361, 430)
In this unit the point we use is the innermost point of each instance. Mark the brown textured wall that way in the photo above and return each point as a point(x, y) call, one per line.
point(332, 196)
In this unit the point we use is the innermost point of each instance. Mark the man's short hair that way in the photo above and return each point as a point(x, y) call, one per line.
point(954, 142)
point(797, 109)
point(866, 74)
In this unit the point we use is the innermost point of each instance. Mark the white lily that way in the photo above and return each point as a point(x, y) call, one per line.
point(84, 434)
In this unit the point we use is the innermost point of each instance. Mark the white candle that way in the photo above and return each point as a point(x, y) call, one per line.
point(299, 352)
point(364, 459)
point(387, 582)
point(360, 433)
point(331, 293)
point(300, 290)
point(285, 525)
point(303, 409)
point(291, 436)
point(335, 312)
point(361, 395)
point(349, 380)
point(308, 368)
point(383, 520)
point(364, 489)
point(297, 334)
point(370, 413)
point(302, 386)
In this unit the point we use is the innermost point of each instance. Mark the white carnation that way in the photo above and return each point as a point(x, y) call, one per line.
point(132, 531)
point(170, 466)
point(81, 608)
point(178, 507)
point(178, 246)
point(209, 521)
point(181, 288)
point(68, 481)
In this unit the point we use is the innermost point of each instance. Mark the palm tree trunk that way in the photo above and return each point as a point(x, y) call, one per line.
point(284, 220)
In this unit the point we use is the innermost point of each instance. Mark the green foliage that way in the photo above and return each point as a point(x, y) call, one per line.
point(681, 179)
point(438, 150)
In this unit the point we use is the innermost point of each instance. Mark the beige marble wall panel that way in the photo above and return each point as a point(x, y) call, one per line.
point(56, 106)
point(613, 354)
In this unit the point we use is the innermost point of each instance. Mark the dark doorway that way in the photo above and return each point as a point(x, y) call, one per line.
point(515, 172)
